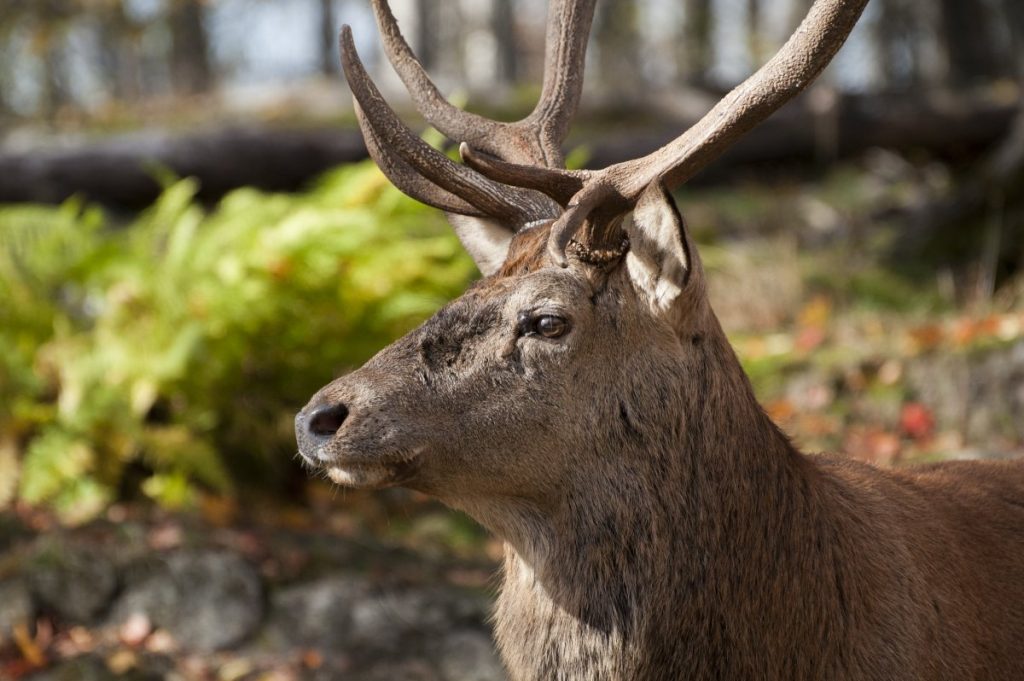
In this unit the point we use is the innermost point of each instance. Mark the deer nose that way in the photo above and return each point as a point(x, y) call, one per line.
point(326, 419)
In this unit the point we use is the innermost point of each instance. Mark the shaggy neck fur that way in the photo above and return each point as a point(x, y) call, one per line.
point(671, 552)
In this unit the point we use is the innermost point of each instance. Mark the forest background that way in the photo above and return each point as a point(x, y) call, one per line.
point(192, 243)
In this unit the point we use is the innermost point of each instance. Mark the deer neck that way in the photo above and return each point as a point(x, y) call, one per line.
point(652, 530)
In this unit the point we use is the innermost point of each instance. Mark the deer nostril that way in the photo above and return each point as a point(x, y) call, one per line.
point(326, 420)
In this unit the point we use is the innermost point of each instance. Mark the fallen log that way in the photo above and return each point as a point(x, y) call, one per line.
point(121, 171)
point(805, 131)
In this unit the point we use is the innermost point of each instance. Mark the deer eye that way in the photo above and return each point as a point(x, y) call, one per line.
point(550, 326)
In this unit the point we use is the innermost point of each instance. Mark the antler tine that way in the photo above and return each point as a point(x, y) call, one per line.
point(804, 56)
point(423, 172)
point(561, 185)
point(565, 52)
point(451, 121)
point(796, 65)
point(536, 140)
point(405, 177)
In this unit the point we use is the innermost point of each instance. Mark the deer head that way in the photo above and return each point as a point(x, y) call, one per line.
point(590, 328)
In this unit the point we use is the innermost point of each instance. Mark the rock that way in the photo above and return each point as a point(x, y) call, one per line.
point(373, 629)
point(338, 613)
point(981, 392)
point(148, 591)
point(469, 655)
point(87, 668)
point(92, 668)
point(75, 583)
point(314, 615)
point(221, 599)
point(207, 600)
point(385, 620)
point(996, 406)
point(15, 606)
point(809, 390)
point(12, 532)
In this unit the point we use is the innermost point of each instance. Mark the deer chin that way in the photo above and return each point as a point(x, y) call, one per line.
point(390, 472)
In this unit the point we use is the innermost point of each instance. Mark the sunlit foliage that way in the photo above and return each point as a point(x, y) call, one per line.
point(169, 354)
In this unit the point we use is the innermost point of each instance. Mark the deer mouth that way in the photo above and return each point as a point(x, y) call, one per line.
point(363, 474)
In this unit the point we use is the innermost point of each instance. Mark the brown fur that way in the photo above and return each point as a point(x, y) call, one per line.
point(657, 523)
point(526, 252)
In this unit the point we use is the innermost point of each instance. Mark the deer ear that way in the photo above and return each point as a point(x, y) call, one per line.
point(661, 261)
point(485, 240)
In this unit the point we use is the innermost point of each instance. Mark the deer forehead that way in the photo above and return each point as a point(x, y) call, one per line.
point(552, 286)
point(549, 289)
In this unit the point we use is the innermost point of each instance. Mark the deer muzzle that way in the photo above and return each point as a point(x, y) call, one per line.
point(343, 441)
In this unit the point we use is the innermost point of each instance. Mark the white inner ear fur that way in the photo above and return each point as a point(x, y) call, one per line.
point(657, 261)
point(485, 240)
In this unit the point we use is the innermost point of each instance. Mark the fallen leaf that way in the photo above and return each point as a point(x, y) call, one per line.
point(809, 338)
point(312, 659)
point(32, 653)
point(780, 411)
point(122, 661)
point(917, 421)
point(16, 669)
point(234, 670)
point(82, 639)
point(1010, 327)
point(218, 511)
point(890, 372)
point(815, 313)
point(161, 641)
point(166, 536)
point(964, 332)
point(135, 629)
point(926, 337)
point(872, 444)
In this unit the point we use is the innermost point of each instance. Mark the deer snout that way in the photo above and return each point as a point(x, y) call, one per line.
point(325, 420)
point(318, 424)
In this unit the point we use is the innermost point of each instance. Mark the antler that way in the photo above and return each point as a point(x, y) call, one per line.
point(597, 197)
point(537, 138)
point(420, 170)
point(428, 175)
point(523, 161)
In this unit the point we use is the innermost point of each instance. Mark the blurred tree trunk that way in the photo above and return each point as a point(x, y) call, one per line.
point(696, 45)
point(190, 55)
point(1013, 10)
point(896, 37)
point(6, 75)
point(119, 56)
point(48, 26)
point(968, 31)
point(976, 225)
point(755, 33)
point(503, 26)
point(797, 12)
point(55, 81)
point(932, 59)
point(8, 17)
point(618, 48)
point(116, 171)
point(328, 37)
point(427, 31)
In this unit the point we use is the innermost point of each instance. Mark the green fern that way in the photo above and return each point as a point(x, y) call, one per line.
point(181, 344)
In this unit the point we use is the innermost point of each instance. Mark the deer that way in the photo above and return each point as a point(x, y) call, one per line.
point(582, 402)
